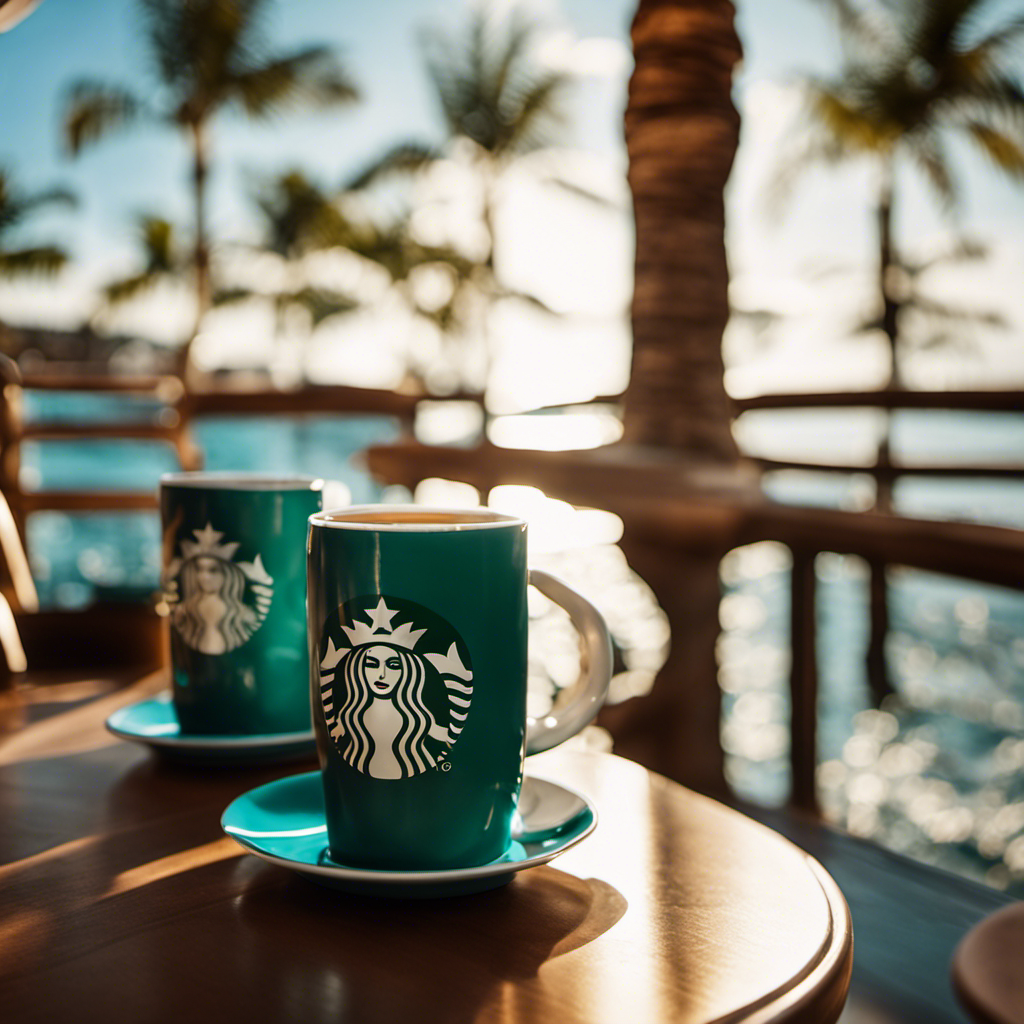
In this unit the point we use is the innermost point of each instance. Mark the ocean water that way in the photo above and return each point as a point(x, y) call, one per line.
point(79, 558)
point(937, 772)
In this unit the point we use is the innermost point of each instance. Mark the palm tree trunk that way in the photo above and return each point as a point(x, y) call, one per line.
point(876, 663)
point(887, 269)
point(201, 250)
point(682, 131)
point(488, 175)
point(886, 272)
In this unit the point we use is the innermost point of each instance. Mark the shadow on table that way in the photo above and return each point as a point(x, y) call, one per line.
point(405, 959)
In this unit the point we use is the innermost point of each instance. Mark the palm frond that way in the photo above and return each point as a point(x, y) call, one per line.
point(932, 31)
point(199, 46)
point(489, 88)
point(581, 191)
point(41, 261)
point(388, 247)
point(511, 57)
point(300, 217)
point(863, 27)
point(926, 149)
point(93, 110)
point(990, 57)
point(159, 244)
point(308, 77)
point(527, 297)
point(1007, 153)
point(813, 145)
point(321, 304)
point(16, 205)
point(995, 43)
point(962, 250)
point(116, 293)
point(405, 158)
point(443, 75)
point(866, 325)
point(535, 111)
point(231, 296)
point(163, 257)
point(55, 196)
point(957, 314)
point(993, 96)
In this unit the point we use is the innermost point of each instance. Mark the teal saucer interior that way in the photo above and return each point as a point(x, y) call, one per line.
point(283, 822)
point(155, 723)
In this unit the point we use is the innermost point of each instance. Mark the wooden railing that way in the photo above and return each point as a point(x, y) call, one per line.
point(173, 413)
point(666, 503)
point(663, 501)
point(885, 473)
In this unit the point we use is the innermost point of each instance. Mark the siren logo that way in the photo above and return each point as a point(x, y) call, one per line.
point(216, 603)
point(396, 684)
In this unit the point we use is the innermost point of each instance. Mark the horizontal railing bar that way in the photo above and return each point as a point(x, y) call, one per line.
point(165, 388)
point(984, 401)
point(100, 431)
point(1011, 470)
point(310, 399)
point(684, 507)
point(85, 501)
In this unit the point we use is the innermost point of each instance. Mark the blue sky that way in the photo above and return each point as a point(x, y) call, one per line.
point(145, 169)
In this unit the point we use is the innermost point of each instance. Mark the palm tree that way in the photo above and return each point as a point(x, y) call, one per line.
point(165, 259)
point(17, 205)
point(915, 73)
point(207, 55)
point(498, 105)
point(492, 93)
point(298, 218)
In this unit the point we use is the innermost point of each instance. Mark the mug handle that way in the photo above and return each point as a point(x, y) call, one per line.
point(558, 725)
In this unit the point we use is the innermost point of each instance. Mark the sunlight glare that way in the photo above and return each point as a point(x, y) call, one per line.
point(555, 525)
point(440, 493)
point(567, 432)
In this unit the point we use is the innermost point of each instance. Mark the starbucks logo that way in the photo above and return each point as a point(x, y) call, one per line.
point(395, 684)
point(216, 603)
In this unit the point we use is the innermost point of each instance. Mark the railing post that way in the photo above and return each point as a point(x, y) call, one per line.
point(877, 670)
point(11, 423)
point(878, 601)
point(803, 683)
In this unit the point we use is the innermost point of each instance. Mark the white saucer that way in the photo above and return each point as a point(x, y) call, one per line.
point(155, 723)
point(283, 822)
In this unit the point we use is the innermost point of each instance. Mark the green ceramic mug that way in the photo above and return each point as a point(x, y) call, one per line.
point(418, 645)
point(234, 584)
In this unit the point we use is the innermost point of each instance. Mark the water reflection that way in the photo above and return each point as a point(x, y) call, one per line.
point(936, 772)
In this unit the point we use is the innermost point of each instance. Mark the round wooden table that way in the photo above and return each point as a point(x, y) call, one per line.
point(120, 899)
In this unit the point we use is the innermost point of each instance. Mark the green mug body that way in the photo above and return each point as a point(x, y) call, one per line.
point(234, 586)
point(418, 657)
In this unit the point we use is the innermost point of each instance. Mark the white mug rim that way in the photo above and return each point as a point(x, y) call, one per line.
point(470, 519)
point(229, 480)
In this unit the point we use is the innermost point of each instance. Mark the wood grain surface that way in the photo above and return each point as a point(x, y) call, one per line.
point(121, 900)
